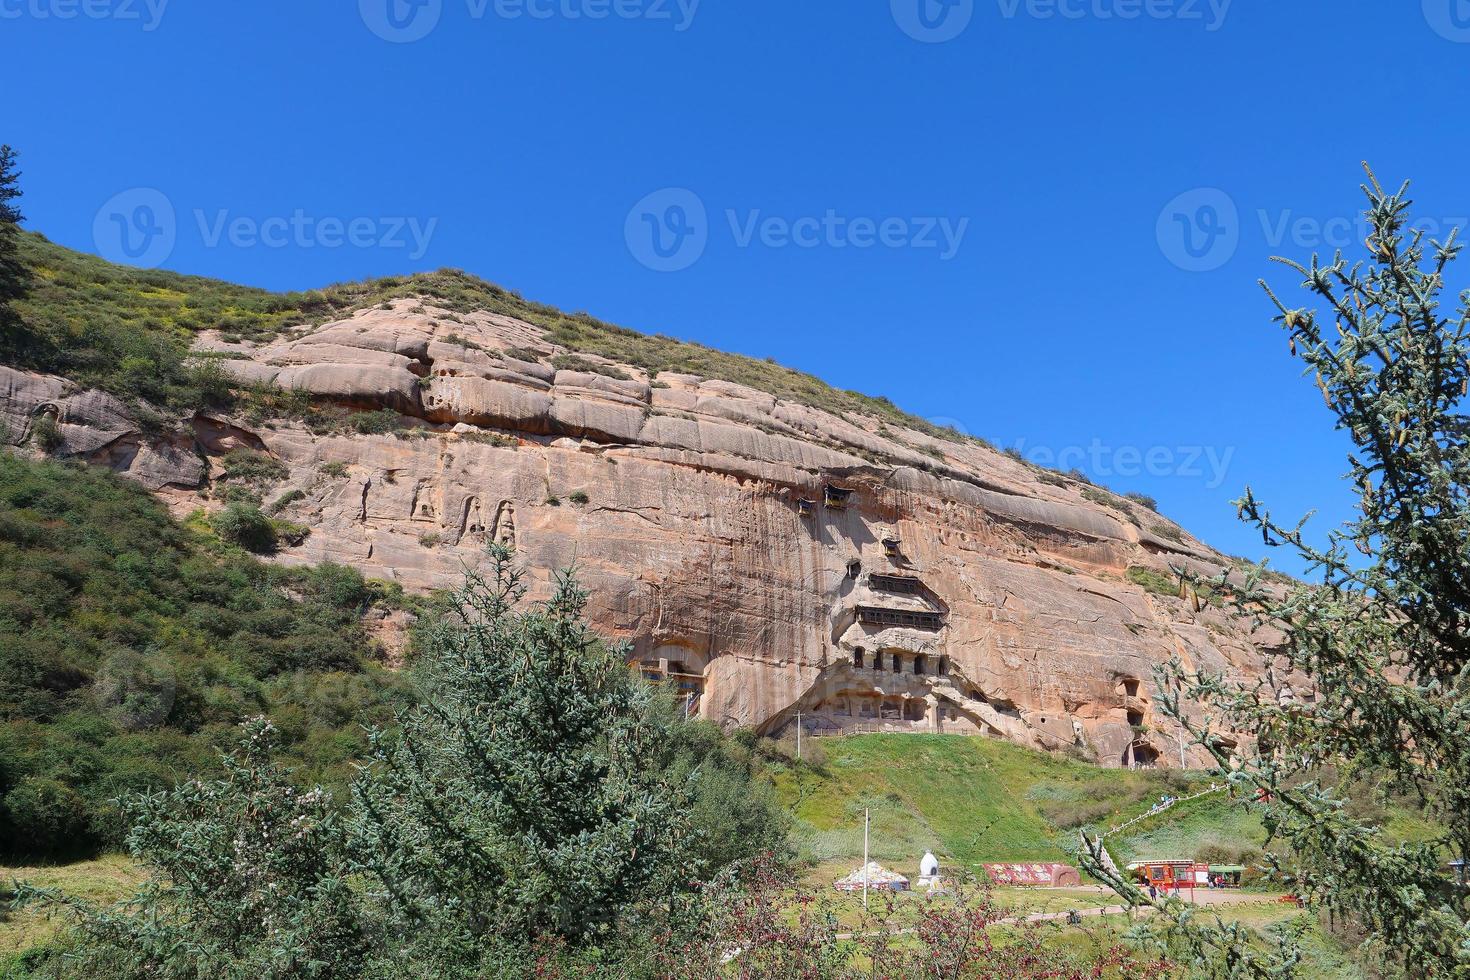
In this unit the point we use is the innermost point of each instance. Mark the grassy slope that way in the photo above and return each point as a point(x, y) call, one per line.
point(130, 646)
point(975, 800)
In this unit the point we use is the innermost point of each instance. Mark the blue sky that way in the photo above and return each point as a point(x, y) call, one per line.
point(1040, 220)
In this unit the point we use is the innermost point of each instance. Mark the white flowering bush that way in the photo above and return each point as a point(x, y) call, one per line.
point(245, 880)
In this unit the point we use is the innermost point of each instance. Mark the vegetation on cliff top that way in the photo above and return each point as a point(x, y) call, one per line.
point(128, 330)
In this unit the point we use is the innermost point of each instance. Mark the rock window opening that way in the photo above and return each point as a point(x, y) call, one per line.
point(1135, 719)
point(854, 568)
point(919, 664)
point(1130, 687)
point(943, 666)
point(857, 658)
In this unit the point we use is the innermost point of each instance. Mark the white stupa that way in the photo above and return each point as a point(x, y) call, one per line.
point(929, 869)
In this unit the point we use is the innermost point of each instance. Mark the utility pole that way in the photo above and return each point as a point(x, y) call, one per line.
point(798, 736)
point(866, 823)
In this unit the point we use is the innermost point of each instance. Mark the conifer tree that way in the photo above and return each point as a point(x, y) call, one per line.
point(1381, 633)
point(518, 798)
point(13, 276)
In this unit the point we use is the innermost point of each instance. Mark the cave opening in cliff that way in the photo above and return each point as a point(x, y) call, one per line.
point(1141, 755)
point(919, 664)
point(857, 658)
point(1135, 718)
point(1130, 687)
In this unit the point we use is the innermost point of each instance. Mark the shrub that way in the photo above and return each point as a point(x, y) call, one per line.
point(578, 497)
point(1143, 499)
point(252, 467)
point(552, 500)
point(380, 422)
point(246, 526)
point(46, 433)
point(1168, 531)
point(335, 470)
point(1152, 581)
point(43, 816)
point(286, 500)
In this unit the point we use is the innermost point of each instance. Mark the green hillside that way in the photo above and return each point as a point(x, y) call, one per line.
point(130, 646)
point(974, 800)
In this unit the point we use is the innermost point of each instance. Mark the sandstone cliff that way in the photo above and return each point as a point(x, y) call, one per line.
point(768, 556)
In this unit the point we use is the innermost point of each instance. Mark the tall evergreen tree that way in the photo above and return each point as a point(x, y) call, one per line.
point(522, 797)
point(14, 278)
point(1383, 635)
point(12, 272)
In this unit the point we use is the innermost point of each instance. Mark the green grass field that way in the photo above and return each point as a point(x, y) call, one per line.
point(106, 880)
point(976, 800)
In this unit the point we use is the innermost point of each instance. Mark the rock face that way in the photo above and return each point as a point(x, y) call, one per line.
point(766, 556)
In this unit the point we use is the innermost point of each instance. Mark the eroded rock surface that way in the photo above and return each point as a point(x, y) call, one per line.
point(767, 556)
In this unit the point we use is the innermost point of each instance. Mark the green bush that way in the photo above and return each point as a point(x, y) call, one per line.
point(44, 816)
point(378, 423)
point(251, 467)
point(286, 500)
point(46, 433)
point(246, 526)
point(1152, 581)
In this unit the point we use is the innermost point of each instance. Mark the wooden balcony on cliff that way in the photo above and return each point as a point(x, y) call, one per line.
point(835, 497)
point(876, 616)
point(897, 584)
